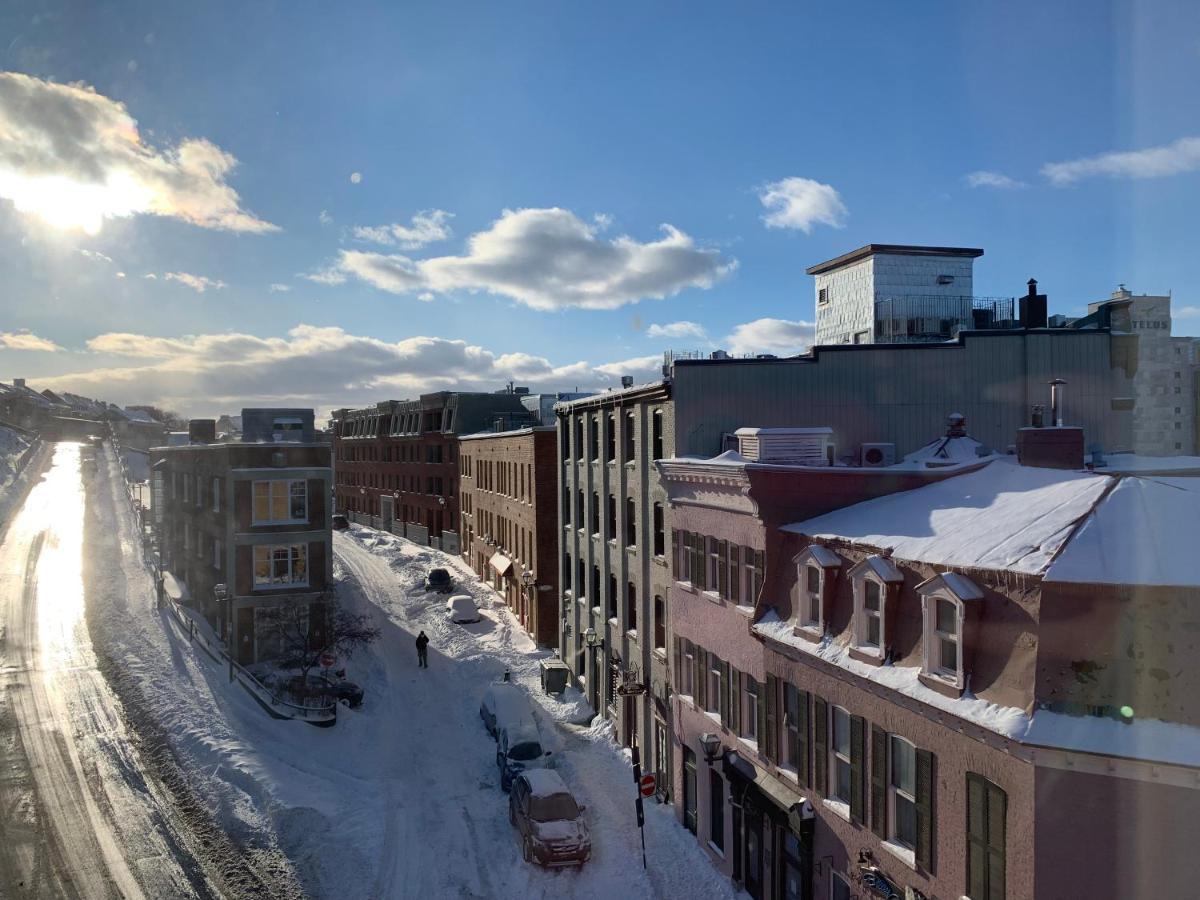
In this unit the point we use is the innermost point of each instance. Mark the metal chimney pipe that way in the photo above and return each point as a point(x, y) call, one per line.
point(1056, 395)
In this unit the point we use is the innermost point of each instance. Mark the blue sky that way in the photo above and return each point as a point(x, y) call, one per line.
point(622, 117)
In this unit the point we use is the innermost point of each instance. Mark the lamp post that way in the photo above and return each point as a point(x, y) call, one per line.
point(711, 745)
point(528, 580)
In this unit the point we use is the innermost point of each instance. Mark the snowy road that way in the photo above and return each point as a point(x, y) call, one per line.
point(79, 819)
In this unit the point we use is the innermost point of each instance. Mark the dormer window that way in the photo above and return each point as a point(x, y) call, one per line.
point(872, 579)
point(816, 569)
point(945, 599)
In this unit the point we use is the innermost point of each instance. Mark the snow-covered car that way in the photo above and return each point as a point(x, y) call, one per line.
point(347, 693)
point(461, 609)
point(439, 580)
point(518, 750)
point(340, 522)
point(548, 820)
point(504, 703)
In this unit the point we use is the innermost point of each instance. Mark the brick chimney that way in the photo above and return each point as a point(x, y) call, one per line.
point(1058, 446)
point(202, 431)
point(19, 382)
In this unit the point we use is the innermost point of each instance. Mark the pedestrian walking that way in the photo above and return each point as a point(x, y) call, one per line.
point(422, 657)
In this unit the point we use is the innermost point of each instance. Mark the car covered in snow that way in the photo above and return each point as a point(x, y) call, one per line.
point(346, 693)
point(461, 609)
point(504, 704)
point(519, 749)
point(548, 820)
point(439, 580)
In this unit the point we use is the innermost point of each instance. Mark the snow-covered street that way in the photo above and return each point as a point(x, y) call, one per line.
point(401, 798)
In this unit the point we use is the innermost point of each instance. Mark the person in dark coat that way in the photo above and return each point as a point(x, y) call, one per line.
point(422, 658)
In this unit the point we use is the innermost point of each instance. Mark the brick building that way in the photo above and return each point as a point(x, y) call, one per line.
point(252, 515)
point(397, 462)
point(509, 495)
point(944, 680)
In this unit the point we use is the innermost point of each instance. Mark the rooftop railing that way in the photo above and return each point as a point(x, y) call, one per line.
point(929, 317)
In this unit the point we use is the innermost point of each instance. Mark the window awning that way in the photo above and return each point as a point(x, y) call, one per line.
point(785, 798)
point(500, 563)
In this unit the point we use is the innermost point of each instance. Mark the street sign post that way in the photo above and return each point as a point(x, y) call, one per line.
point(641, 782)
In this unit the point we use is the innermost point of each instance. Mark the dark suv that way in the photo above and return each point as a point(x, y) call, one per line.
point(439, 580)
point(548, 820)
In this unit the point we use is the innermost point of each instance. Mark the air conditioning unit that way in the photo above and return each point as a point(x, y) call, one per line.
point(874, 456)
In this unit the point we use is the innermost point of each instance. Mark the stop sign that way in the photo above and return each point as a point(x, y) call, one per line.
point(327, 660)
point(646, 785)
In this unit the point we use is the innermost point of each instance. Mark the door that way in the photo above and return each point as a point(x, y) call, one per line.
point(630, 723)
point(386, 512)
point(791, 872)
point(754, 851)
point(662, 762)
point(245, 635)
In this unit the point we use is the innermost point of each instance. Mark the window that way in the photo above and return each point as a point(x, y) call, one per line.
point(280, 501)
point(660, 534)
point(595, 438)
point(822, 296)
point(839, 754)
point(687, 670)
point(630, 607)
point(810, 600)
point(986, 839)
point(660, 623)
point(630, 522)
point(902, 793)
point(657, 433)
point(579, 516)
point(749, 714)
point(839, 887)
point(628, 443)
point(579, 438)
point(199, 491)
point(870, 614)
point(716, 811)
point(596, 586)
point(218, 555)
point(689, 789)
point(753, 560)
point(216, 495)
point(795, 732)
point(281, 565)
point(716, 575)
point(713, 695)
point(595, 513)
point(610, 444)
point(612, 517)
point(942, 637)
point(612, 597)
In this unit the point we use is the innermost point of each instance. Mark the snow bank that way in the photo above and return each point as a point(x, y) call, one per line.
point(13, 446)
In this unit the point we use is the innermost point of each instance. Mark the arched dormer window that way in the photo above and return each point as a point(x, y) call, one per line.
point(875, 581)
point(816, 572)
point(945, 600)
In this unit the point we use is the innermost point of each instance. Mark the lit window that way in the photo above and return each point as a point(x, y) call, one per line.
point(280, 565)
point(280, 501)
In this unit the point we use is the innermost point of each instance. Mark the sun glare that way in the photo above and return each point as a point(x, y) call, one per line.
point(73, 205)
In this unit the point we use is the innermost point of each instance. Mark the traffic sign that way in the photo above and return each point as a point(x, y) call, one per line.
point(646, 786)
point(327, 660)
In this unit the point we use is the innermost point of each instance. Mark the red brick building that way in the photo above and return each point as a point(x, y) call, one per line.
point(396, 463)
point(508, 495)
point(965, 679)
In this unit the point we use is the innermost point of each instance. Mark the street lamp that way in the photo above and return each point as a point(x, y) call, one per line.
point(711, 745)
point(592, 640)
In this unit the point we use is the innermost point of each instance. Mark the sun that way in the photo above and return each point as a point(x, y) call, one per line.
point(73, 205)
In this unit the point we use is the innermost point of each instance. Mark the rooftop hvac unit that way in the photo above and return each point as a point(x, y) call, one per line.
point(875, 456)
point(786, 446)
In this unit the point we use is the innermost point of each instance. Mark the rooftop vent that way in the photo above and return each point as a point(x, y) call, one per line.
point(626, 381)
point(786, 446)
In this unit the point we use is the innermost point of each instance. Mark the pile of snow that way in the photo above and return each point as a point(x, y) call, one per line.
point(13, 445)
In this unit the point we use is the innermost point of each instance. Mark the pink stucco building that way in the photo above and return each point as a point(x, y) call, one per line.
point(955, 677)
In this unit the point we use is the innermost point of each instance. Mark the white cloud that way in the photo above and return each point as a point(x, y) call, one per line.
point(1185, 312)
point(781, 337)
point(427, 226)
point(1180, 156)
point(74, 158)
point(120, 274)
point(356, 177)
point(23, 339)
point(198, 283)
point(678, 330)
point(95, 256)
point(801, 203)
point(324, 218)
point(150, 276)
point(999, 180)
point(277, 288)
point(548, 259)
point(326, 367)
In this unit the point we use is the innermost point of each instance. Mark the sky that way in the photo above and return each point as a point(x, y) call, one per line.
point(205, 206)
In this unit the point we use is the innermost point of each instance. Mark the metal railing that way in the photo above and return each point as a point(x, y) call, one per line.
point(914, 318)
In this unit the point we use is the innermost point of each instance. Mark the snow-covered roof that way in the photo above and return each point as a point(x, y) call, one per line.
point(1002, 516)
point(751, 432)
point(821, 555)
point(958, 584)
point(545, 782)
point(883, 569)
point(948, 449)
point(1136, 464)
point(139, 415)
point(1143, 532)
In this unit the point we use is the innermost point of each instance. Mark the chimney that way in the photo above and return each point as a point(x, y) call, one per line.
point(626, 381)
point(1056, 447)
point(202, 431)
point(18, 382)
point(1033, 307)
point(956, 425)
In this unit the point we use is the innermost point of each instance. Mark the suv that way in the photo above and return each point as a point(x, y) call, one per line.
point(340, 522)
point(548, 820)
point(439, 580)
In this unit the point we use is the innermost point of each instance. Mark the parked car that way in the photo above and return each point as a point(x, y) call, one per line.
point(548, 820)
point(461, 609)
point(346, 693)
point(519, 749)
point(504, 703)
point(439, 580)
point(340, 522)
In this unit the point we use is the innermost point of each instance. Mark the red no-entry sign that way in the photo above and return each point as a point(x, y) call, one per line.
point(646, 785)
point(327, 660)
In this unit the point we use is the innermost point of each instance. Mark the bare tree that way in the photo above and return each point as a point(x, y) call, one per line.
point(306, 630)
